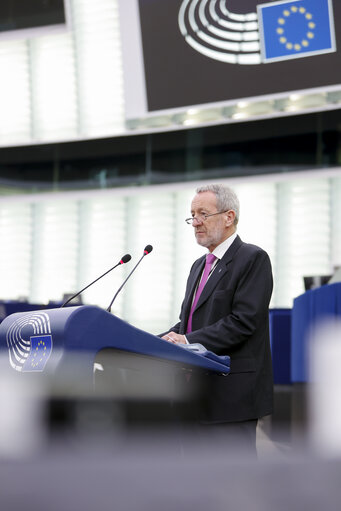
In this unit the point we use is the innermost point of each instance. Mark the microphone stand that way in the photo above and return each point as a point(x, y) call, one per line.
point(146, 251)
point(124, 259)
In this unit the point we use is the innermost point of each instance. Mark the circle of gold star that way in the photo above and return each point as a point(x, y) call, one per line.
point(296, 45)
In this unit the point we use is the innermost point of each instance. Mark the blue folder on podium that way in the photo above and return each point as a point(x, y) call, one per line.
point(51, 340)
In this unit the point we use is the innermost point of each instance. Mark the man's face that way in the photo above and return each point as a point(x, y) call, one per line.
point(214, 230)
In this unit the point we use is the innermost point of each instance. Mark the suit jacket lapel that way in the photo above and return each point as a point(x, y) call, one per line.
point(192, 285)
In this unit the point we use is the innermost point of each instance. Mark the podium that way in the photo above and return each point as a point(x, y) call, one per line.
point(280, 342)
point(309, 310)
point(67, 341)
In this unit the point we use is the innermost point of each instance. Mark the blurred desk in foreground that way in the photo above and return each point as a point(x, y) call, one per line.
point(87, 353)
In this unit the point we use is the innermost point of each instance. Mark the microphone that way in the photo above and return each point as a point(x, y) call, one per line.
point(124, 259)
point(147, 250)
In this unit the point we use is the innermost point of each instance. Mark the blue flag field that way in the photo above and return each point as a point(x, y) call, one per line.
point(41, 348)
point(296, 29)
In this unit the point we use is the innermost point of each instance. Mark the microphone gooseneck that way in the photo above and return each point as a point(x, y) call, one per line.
point(146, 251)
point(123, 260)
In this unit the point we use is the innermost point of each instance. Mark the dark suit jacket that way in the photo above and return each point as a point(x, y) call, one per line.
point(231, 318)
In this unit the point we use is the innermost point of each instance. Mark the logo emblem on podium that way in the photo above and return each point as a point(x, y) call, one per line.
point(29, 342)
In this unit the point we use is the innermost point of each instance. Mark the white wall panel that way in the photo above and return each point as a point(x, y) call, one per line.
point(99, 66)
point(54, 94)
point(15, 93)
point(258, 218)
point(335, 184)
point(66, 85)
point(149, 293)
point(55, 250)
point(16, 250)
point(304, 235)
point(103, 241)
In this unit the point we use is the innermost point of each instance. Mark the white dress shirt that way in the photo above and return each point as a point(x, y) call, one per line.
point(220, 250)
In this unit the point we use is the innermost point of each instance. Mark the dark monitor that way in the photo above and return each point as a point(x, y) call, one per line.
point(75, 301)
point(315, 281)
point(23, 15)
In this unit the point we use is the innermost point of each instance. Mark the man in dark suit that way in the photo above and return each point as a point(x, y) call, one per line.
point(229, 314)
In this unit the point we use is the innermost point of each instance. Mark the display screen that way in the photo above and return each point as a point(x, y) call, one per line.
point(28, 14)
point(207, 51)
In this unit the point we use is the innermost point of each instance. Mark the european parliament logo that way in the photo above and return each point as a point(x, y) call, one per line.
point(277, 31)
point(29, 342)
point(295, 29)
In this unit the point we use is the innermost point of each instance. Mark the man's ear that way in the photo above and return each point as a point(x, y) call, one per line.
point(230, 215)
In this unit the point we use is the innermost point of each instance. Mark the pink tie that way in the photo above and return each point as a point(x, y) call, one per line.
point(210, 258)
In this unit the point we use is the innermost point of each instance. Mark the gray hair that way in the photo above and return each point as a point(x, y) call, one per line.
point(226, 198)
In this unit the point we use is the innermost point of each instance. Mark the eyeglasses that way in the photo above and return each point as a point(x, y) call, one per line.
point(202, 218)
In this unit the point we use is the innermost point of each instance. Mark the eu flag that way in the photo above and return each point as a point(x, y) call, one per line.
point(41, 348)
point(296, 28)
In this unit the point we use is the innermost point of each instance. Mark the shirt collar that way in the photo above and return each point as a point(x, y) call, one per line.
point(220, 250)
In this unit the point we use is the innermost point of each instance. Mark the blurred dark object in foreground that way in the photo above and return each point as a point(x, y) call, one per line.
point(149, 475)
point(131, 392)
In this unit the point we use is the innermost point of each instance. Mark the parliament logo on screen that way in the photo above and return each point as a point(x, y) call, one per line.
point(276, 31)
point(29, 342)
